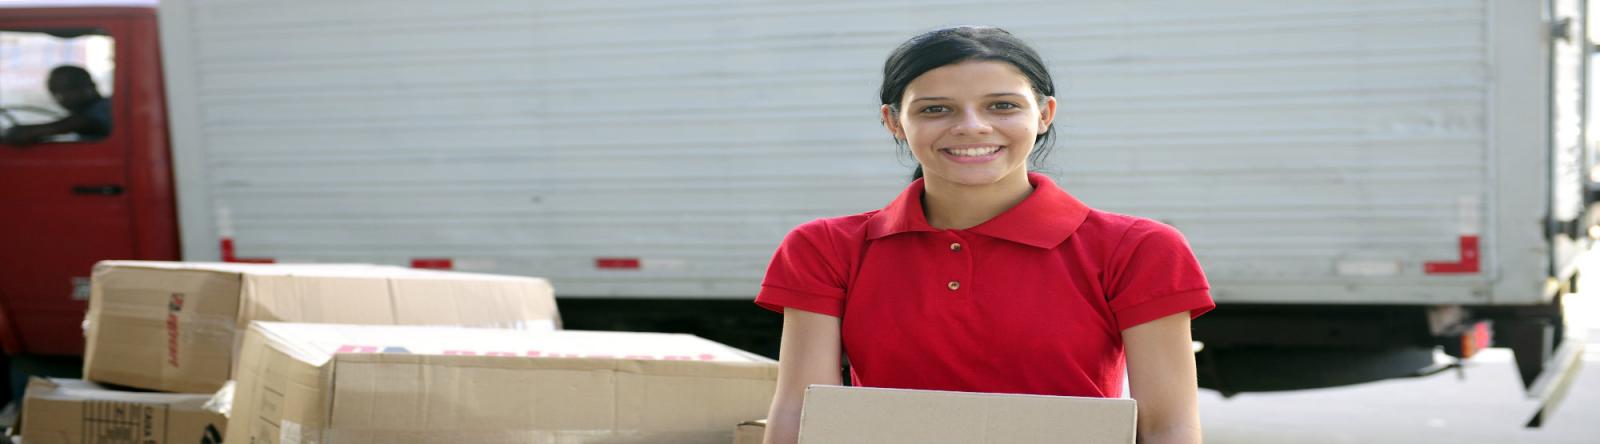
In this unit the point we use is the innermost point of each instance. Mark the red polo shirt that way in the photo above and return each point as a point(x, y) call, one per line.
point(1032, 301)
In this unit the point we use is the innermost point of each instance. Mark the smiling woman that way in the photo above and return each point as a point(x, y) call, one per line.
point(939, 49)
point(982, 276)
point(971, 125)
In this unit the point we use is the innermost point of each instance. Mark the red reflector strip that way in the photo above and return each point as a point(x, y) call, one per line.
point(228, 255)
point(433, 263)
point(616, 263)
point(1481, 336)
point(1467, 263)
point(1475, 339)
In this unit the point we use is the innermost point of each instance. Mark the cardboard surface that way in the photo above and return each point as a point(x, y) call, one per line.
point(70, 411)
point(850, 415)
point(750, 432)
point(317, 383)
point(174, 326)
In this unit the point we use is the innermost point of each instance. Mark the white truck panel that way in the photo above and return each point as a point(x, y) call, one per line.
point(1312, 152)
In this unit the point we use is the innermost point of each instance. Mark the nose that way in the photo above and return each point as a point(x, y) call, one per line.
point(972, 122)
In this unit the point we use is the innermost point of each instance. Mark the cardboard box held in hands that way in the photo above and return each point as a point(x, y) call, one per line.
point(854, 415)
point(174, 326)
point(71, 411)
point(305, 383)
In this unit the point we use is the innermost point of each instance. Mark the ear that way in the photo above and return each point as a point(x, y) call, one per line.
point(891, 123)
point(1047, 113)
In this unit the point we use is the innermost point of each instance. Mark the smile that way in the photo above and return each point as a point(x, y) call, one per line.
point(973, 154)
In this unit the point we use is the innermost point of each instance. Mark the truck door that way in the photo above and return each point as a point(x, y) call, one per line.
point(63, 196)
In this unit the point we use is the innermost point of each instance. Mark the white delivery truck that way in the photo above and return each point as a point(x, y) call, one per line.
point(1365, 182)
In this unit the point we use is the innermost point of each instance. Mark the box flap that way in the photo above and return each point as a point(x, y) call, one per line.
point(317, 343)
point(846, 415)
point(383, 295)
point(264, 269)
point(77, 389)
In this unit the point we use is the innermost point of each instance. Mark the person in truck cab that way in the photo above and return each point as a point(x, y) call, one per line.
point(983, 276)
point(88, 113)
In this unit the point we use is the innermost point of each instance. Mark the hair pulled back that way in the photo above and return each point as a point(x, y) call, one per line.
point(948, 46)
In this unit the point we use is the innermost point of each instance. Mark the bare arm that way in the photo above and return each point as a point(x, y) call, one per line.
point(24, 135)
point(1161, 377)
point(809, 354)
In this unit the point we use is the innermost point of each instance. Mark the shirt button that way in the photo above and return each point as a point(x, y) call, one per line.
point(955, 246)
point(955, 285)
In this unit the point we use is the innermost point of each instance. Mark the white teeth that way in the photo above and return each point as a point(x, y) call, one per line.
point(974, 152)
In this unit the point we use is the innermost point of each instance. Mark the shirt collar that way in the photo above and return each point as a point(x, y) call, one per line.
point(1044, 219)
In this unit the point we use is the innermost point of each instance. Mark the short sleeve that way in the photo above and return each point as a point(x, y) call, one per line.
point(805, 273)
point(1153, 274)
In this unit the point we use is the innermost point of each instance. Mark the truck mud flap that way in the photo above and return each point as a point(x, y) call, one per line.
point(1552, 385)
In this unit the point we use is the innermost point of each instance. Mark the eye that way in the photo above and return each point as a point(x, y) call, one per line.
point(934, 109)
point(1006, 105)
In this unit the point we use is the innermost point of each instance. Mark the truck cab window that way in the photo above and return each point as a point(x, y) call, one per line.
point(55, 86)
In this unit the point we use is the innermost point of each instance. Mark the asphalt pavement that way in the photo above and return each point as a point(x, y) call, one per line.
point(1487, 406)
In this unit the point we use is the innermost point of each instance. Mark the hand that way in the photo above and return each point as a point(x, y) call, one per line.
point(18, 137)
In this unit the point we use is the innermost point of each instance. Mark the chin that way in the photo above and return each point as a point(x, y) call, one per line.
point(972, 178)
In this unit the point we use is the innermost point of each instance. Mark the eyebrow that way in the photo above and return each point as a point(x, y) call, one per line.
point(998, 94)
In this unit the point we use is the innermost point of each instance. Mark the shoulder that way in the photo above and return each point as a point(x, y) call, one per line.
point(847, 229)
point(1121, 232)
point(827, 243)
point(100, 109)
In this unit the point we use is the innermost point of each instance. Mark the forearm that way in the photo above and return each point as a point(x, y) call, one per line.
point(1171, 434)
point(808, 354)
point(783, 425)
point(1161, 376)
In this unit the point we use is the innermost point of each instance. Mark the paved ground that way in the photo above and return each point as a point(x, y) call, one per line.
point(1488, 406)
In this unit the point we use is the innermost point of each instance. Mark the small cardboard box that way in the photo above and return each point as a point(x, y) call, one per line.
point(320, 383)
point(174, 326)
point(851, 415)
point(750, 432)
point(71, 411)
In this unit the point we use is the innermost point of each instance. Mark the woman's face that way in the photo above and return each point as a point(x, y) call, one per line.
point(971, 123)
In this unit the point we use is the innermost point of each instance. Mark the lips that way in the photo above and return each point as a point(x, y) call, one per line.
point(972, 153)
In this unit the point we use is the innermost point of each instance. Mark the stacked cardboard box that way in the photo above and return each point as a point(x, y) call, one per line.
point(175, 326)
point(63, 411)
point(303, 383)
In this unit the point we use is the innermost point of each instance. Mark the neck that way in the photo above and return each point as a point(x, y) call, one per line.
point(953, 206)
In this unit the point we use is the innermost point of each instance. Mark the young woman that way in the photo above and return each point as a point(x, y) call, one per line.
point(982, 276)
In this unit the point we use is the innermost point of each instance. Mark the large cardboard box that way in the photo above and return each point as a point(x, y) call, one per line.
point(175, 326)
point(852, 415)
point(71, 411)
point(321, 383)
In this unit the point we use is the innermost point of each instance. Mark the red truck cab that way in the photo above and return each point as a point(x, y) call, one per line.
point(67, 201)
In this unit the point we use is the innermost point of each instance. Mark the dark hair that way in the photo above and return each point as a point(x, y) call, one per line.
point(73, 75)
point(958, 44)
